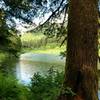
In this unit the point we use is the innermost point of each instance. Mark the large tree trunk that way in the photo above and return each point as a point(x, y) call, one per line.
point(81, 64)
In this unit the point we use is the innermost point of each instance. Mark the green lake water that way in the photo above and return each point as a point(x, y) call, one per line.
point(29, 64)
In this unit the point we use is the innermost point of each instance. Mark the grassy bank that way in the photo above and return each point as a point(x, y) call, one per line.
point(45, 50)
point(38, 43)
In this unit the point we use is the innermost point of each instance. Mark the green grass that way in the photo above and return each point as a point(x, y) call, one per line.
point(46, 49)
point(55, 50)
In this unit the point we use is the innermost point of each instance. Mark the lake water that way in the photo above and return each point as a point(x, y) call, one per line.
point(29, 64)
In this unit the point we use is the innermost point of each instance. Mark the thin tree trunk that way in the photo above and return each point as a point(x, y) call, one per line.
point(81, 67)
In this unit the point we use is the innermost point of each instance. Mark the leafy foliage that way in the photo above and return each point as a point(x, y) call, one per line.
point(46, 87)
point(42, 87)
point(55, 29)
point(10, 89)
point(26, 10)
point(10, 42)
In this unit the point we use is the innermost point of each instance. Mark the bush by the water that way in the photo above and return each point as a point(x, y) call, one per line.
point(46, 87)
point(10, 89)
point(42, 87)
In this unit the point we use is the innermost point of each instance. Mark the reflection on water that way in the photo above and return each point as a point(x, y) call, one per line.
point(26, 69)
point(7, 65)
point(32, 63)
point(42, 57)
point(28, 64)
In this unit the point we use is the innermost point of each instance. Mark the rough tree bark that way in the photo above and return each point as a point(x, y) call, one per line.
point(81, 64)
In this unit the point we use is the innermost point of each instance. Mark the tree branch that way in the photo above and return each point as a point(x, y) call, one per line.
point(54, 12)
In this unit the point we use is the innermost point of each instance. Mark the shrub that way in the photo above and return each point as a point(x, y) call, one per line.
point(10, 89)
point(46, 87)
point(42, 87)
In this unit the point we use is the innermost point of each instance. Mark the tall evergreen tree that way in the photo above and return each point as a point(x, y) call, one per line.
point(81, 64)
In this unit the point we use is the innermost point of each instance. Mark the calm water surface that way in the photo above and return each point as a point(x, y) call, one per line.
point(29, 64)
